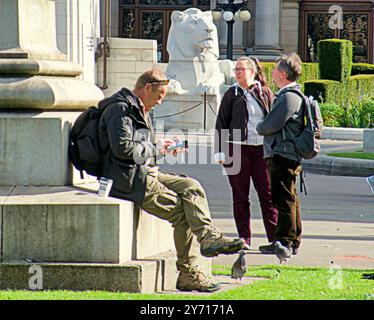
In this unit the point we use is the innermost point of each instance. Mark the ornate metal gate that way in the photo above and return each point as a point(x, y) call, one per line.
point(357, 26)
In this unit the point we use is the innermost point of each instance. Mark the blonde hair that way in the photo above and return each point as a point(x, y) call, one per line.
point(149, 76)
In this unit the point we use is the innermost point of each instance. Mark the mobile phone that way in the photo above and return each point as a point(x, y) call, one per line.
point(179, 144)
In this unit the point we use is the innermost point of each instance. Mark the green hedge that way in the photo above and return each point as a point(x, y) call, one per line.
point(326, 91)
point(347, 94)
point(335, 59)
point(309, 71)
point(362, 68)
point(360, 87)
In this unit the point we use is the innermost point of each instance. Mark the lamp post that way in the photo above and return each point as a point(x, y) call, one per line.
point(231, 12)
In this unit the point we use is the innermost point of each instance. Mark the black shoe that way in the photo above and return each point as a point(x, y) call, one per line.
point(295, 251)
point(268, 249)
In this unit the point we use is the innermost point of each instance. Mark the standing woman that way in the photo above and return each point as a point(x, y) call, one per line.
point(239, 147)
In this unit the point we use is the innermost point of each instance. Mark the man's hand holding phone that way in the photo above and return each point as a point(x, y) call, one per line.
point(174, 146)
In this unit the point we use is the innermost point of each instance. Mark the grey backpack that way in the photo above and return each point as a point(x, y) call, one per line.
point(307, 143)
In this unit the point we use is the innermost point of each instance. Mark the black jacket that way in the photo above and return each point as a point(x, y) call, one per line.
point(127, 139)
point(233, 112)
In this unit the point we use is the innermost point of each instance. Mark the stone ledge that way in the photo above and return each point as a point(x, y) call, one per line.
point(355, 134)
point(39, 67)
point(65, 224)
point(121, 43)
point(336, 166)
point(146, 276)
point(47, 92)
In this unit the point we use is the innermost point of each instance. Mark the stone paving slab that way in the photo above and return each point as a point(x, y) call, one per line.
point(225, 282)
point(346, 244)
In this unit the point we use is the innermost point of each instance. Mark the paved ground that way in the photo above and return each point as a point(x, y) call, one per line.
point(225, 282)
point(338, 214)
point(346, 244)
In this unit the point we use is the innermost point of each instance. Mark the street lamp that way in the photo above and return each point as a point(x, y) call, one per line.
point(231, 12)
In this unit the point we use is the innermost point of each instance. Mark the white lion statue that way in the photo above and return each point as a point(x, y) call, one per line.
point(193, 55)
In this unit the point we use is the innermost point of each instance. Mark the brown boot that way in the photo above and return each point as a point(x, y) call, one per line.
point(195, 279)
point(214, 246)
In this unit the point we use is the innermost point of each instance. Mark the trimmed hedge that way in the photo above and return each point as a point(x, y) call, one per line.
point(309, 71)
point(335, 59)
point(345, 94)
point(325, 91)
point(362, 68)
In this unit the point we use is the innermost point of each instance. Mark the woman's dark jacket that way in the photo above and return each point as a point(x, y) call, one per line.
point(127, 140)
point(233, 113)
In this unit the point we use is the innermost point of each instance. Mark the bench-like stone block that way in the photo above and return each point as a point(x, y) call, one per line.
point(64, 224)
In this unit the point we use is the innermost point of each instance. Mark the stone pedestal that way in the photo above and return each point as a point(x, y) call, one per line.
point(69, 232)
point(187, 119)
point(267, 35)
point(31, 66)
point(28, 30)
point(35, 148)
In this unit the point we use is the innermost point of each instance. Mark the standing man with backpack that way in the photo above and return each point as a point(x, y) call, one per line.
point(127, 140)
point(280, 126)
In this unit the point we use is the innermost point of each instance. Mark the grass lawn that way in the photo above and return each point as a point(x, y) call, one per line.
point(284, 283)
point(353, 155)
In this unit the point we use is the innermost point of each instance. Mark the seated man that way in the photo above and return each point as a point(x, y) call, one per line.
point(126, 136)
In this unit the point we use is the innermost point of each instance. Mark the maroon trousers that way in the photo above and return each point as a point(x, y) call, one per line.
point(252, 166)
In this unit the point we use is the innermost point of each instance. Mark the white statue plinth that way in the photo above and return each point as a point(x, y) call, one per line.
point(193, 69)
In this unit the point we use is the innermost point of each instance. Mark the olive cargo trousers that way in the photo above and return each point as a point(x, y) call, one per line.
point(181, 201)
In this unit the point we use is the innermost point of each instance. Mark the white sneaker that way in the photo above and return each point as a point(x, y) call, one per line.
point(370, 181)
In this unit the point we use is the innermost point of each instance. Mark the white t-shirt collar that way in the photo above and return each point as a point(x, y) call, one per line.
point(292, 84)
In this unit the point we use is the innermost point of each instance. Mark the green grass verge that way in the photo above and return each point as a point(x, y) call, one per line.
point(283, 283)
point(353, 155)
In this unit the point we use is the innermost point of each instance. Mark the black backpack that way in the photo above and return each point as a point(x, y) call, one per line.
point(307, 143)
point(84, 148)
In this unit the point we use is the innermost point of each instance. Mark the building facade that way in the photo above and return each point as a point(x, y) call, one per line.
point(276, 25)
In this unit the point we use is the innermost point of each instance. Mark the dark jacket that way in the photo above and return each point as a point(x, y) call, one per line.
point(281, 124)
point(127, 139)
point(233, 112)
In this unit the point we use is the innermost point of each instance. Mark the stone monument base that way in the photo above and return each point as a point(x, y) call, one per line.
point(149, 275)
point(75, 236)
point(199, 116)
point(35, 148)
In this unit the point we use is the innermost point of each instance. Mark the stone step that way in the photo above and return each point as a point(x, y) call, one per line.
point(153, 274)
point(67, 224)
point(73, 234)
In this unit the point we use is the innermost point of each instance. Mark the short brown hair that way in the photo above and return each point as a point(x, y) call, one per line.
point(149, 76)
point(291, 64)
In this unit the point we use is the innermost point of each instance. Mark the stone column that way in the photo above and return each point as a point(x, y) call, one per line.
point(289, 30)
point(34, 74)
point(267, 33)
